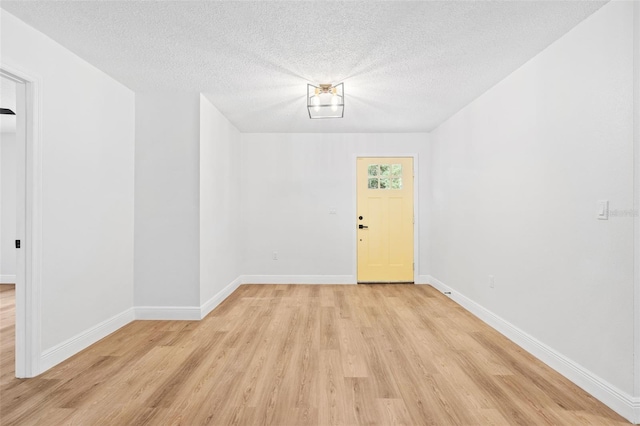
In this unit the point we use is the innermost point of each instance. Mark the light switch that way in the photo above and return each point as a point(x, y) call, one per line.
point(603, 210)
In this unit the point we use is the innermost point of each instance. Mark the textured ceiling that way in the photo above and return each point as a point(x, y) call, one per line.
point(407, 66)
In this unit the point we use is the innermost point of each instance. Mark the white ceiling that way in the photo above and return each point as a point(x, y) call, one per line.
point(407, 66)
point(7, 100)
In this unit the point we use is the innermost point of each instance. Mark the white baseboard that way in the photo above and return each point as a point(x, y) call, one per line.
point(168, 313)
point(72, 346)
point(210, 304)
point(429, 280)
point(193, 313)
point(621, 402)
point(186, 313)
point(7, 279)
point(421, 279)
point(298, 279)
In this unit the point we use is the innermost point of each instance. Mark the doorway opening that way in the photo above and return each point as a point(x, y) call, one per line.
point(8, 225)
point(20, 153)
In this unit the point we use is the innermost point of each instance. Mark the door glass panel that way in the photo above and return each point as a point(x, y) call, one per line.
point(384, 176)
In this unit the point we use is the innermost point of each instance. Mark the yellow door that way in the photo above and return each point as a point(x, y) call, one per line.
point(385, 219)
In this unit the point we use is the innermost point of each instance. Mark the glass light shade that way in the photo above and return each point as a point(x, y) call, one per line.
point(334, 103)
point(323, 103)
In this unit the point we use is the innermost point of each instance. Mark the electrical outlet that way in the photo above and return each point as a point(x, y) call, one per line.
point(492, 281)
point(275, 255)
point(332, 211)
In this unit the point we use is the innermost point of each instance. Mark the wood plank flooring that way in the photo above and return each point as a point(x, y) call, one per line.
point(301, 355)
point(7, 336)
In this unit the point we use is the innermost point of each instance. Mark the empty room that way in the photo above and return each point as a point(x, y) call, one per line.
point(320, 212)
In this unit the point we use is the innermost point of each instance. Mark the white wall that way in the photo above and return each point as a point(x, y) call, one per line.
point(167, 199)
point(187, 203)
point(8, 184)
point(87, 176)
point(219, 201)
point(515, 180)
point(290, 182)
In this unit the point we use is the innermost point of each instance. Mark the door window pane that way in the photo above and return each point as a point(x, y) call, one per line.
point(384, 176)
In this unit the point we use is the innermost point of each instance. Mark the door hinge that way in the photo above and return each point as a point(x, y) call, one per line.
point(17, 243)
point(414, 266)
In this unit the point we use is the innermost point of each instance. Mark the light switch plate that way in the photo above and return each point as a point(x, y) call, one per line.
point(603, 210)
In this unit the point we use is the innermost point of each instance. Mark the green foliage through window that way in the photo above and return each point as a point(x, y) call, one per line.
point(384, 176)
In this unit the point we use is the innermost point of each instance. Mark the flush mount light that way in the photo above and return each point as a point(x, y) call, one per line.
point(325, 100)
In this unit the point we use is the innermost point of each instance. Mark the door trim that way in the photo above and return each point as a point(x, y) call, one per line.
point(29, 218)
point(416, 207)
point(636, 202)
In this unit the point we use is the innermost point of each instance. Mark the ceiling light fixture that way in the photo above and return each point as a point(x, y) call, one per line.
point(325, 100)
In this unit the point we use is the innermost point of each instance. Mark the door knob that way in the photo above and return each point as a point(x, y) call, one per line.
point(362, 227)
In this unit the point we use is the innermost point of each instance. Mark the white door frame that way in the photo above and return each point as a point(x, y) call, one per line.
point(416, 209)
point(636, 202)
point(28, 218)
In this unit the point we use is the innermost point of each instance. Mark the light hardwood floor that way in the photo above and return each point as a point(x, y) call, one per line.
point(7, 337)
point(301, 355)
